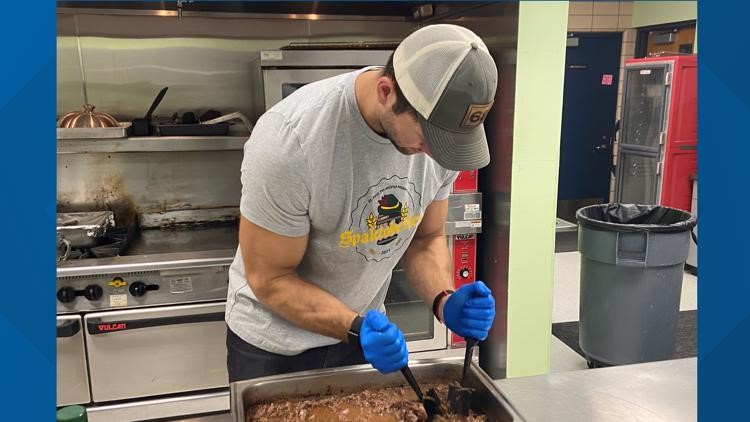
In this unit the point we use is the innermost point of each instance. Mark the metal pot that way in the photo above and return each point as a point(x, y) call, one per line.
point(86, 118)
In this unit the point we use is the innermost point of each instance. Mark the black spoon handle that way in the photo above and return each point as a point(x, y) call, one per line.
point(413, 382)
point(470, 343)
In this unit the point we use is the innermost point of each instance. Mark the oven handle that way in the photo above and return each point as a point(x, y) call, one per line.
point(68, 328)
point(96, 326)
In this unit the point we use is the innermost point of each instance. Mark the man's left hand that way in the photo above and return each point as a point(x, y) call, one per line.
point(470, 310)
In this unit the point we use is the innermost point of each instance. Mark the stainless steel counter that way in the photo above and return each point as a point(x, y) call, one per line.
point(657, 391)
point(194, 239)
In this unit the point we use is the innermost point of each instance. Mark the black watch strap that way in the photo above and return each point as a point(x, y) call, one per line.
point(436, 303)
point(354, 330)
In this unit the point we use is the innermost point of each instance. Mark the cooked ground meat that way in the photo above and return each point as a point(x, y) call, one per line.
point(382, 405)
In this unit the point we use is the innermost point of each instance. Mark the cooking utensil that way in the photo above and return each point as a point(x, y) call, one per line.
point(470, 343)
point(218, 126)
point(460, 399)
point(319, 383)
point(229, 117)
point(431, 401)
point(431, 404)
point(412, 382)
point(142, 125)
point(208, 115)
point(189, 118)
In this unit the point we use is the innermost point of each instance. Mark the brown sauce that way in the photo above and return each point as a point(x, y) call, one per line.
point(374, 405)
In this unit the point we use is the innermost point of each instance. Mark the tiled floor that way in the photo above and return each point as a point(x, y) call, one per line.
point(565, 306)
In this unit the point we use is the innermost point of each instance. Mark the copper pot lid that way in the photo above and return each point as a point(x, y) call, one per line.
point(86, 118)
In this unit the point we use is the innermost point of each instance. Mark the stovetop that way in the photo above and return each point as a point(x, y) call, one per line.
point(128, 241)
point(160, 267)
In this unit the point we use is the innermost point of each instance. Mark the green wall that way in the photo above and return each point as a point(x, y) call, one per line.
point(647, 13)
point(540, 73)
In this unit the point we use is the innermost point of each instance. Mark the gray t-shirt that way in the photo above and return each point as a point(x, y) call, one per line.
point(313, 166)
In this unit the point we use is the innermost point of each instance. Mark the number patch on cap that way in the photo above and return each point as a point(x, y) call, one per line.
point(476, 114)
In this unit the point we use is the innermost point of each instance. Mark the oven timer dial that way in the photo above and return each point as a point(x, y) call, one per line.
point(464, 273)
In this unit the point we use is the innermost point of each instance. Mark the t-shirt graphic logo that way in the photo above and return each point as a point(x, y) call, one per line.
point(390, 210)
point(384, 220)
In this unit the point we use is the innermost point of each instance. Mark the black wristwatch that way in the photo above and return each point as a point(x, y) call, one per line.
point(354, 329)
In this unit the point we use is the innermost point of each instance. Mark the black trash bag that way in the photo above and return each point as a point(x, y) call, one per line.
point(635, 218)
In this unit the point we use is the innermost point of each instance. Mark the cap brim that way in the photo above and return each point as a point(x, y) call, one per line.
point(454, 150)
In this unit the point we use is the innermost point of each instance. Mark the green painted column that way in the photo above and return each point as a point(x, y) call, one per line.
point(540, 73)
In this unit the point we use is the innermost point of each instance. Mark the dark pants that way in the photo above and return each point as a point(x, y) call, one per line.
point(245, 361)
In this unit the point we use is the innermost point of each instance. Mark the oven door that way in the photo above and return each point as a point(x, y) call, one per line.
point(279, 83)
point(72, 373)
point(404, 308)
point(155, 351)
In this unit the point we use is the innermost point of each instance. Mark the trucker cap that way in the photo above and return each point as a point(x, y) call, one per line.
point(447, 74)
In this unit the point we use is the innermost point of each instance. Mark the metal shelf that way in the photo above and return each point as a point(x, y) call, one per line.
point(152, 144)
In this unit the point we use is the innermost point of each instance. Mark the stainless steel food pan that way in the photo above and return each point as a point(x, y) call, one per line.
point(349, 379)
point(122, 130)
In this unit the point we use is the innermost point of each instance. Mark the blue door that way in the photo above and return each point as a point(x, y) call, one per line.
point(592, 65)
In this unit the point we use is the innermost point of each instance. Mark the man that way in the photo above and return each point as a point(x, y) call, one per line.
point(340, 181)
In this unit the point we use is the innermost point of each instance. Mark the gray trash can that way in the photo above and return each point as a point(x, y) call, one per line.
point(632, 263)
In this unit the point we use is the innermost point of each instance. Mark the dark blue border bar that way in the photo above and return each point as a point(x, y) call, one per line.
point(27, 119)
point(724, 211)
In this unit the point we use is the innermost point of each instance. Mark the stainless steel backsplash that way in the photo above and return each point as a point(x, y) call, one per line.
point(156, 186)
point(205, 61)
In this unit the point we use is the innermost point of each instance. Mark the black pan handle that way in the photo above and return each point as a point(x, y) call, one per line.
point(97, 326)
point(68, 328)
point(156, 102)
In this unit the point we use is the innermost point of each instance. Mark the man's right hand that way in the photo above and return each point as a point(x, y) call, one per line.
point(383, 343)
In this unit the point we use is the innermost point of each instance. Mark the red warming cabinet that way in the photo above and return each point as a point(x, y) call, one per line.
point(658, 132)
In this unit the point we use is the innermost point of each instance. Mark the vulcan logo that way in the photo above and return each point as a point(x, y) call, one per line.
point(112, 327)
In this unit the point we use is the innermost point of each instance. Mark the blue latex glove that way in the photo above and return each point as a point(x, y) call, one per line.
point(469, 311)
point(383, 343)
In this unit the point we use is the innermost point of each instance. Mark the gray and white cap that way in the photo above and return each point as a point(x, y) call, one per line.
point(447, 74)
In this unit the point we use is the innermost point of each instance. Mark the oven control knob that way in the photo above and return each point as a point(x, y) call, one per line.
point(464, 273)
point(138, 288)
point(93, 292)
point(66, 294)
